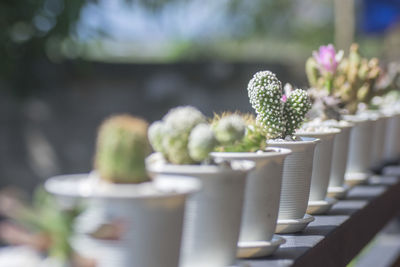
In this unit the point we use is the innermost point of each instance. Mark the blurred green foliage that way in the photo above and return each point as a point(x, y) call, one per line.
point(42, 31)
point(29, 29)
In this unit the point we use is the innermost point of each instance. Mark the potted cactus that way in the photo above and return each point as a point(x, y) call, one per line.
point(183, 140)
point(130, 220)
point(279, 115)
point(356, 84)
point(263, 185)
point(352, 82)
point(327, 111)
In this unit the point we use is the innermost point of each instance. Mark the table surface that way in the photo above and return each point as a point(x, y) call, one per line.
point(336, 238)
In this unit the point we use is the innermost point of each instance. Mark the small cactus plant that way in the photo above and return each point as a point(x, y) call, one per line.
point(249, 137)
point(229, 128)
point(184, 137)
point(201, 142)
point(353, 80)
point(122, 147)
point(279, 114)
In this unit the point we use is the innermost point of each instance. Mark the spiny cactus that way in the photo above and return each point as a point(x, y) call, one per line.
point(122, 147)
point(184, 137)
point(253, 138)
point(171, 135)
point(354, 79)
point(201, 142)
point(295, 109)
point(229, 128)
point(280, 115)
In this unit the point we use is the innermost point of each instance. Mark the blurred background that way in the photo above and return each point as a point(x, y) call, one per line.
point(67, 64)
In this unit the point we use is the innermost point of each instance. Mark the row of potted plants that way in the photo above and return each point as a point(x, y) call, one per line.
point(220, 188)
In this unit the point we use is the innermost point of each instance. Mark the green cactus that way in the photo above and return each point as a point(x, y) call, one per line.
point(278, 117)
point(172, 136)
point(253, 139)
point(297, 105)
point(122, 147)
point(155, 134)
point(312, 72)
point(184, 137)
point(202, 141)
point(265, 93)
point(230, 128)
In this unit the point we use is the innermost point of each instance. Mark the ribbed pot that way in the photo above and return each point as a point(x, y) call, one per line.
point(392, 140)
point(213, 215)
point(360, 145)
point(146, 219)
point(339, 156)
point(262, 194)
point(322, 162)
point(296, 179)
point(378, 139)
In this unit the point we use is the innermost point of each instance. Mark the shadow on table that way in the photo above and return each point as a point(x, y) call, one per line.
point(321, 230)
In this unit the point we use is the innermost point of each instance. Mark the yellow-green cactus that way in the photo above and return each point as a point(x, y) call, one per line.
point(122, 147)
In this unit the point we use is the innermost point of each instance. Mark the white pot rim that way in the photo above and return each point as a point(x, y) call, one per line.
point(361, 117)
point(332, 131)
point(89, 185)
point(157, 164)
point(270, 152)
point(306, 140)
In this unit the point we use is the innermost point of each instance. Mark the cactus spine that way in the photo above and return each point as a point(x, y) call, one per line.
point(122, 147)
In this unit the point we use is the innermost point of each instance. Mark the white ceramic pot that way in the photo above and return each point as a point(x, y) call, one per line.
point(213, 215)
point(378, 139)
point(262, 195)
point(322, 162)
point(339, 156)
point(296, 179)
point(360, 148)
point(392, 138)
point(146, 219)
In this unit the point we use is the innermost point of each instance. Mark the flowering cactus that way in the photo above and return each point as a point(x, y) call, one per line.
point(322, 66)
point(279, 114)
point(327, 59)
point(122, 147)
point(184, 137)
point(356, 79)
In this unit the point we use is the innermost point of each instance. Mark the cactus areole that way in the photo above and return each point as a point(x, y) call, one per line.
point(122, 147)
point(279, 114)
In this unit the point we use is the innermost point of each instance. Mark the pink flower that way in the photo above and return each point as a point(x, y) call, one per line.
point(327, 59)
point(287, 90)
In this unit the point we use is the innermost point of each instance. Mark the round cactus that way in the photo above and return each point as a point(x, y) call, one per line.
point(155, 134)
point(178, 123)
point(122, 147)
point(173, 136)
point(229, 129)
point(265, 93)
point(297, 105)
point(202, 141)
